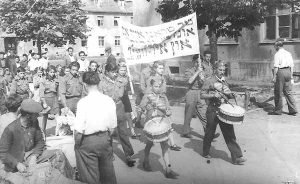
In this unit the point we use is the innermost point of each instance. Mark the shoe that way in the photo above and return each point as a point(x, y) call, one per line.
point(216, 135)
point(292, 113)
point(207, 156)
point(175, 148)
point(189, 136)
point(171, 174)
point(147, 166)
point(135, 136)
point(274, 113)
point(239, 161)
point(130, 162)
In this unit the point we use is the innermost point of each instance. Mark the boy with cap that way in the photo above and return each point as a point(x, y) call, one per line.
point(22, 145)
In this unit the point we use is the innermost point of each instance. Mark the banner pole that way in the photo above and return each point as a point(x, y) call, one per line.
point(130, 78)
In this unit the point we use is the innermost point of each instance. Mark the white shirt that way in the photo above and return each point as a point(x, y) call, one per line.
point(283, 59)
point(95, 112)
point(72, 58)
point(33, 64)
point(84, 65)
point(44, 63)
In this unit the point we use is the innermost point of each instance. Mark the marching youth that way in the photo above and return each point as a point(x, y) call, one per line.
point(213, 97)
point(112, 86)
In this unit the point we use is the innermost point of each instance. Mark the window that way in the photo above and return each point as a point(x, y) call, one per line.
point(83, 43)
point(174, 69)
point(116, 19)
point(118, 54)
point(117, 40)
point(282, 25)
point(100, 20)
point(101, 54)
point(101, 41)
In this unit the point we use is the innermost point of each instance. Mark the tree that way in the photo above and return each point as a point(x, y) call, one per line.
point(224, 18)
point(45, 21)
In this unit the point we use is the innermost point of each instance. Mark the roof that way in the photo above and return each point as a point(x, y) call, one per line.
point(108, 6)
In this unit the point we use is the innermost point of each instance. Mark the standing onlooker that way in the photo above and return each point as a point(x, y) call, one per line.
point(34, 62)
point(17, 60)
point(71, 88)
point(44, 62)
point(83, 62)
point(283, 73)
point(3, 92)
point(70, 57)
point(13, 65)
point(24, 61)
point(20, 84)
point(93, 66)
point(95, 121)
point(110, 57)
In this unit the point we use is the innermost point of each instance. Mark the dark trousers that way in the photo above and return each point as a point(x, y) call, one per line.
point(282, 87)
point(72, 103)
point(227, 131)
point(122, 130)
point(94, 158)
point(193, 104)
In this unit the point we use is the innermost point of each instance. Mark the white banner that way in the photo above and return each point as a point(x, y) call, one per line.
point(164, 41)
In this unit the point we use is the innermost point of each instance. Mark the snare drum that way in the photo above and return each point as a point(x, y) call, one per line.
point(157, 129)
point(231, 114)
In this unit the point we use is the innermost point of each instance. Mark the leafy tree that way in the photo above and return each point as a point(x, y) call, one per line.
point(224, 18)
point(45, 21)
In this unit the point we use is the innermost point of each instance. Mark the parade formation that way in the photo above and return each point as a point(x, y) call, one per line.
point(97, 97)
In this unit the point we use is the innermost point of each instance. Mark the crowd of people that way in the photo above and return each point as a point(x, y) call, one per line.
point(99, 97)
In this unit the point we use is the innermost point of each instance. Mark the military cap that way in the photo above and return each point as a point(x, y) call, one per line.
point(30, 106)
point(107, 48)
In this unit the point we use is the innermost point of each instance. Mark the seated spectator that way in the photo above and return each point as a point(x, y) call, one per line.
point(12, 103)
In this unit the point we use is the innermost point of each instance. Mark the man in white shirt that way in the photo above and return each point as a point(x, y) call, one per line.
point(83, 62)
point(70, 57)
point(283, 73)
point(44, 62)
point(34, 62)
point(95, 119)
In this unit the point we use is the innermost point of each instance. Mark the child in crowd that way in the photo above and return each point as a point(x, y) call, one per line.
point(37, 79)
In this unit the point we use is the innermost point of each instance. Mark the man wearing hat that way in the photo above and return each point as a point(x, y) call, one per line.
point(22, 145)
point(110, 57)
point(283, 73)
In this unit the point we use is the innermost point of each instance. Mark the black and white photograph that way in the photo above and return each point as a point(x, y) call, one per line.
point(149, 91)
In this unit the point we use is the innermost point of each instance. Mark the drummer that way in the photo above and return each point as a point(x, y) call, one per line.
point(155, 103)
point(214, 98)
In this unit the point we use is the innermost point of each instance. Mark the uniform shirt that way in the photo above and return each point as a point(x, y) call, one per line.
point(211, 85)
point(19, 86)
point(84, 65)
point(197, 82)
point(95, 112)
point(207, 69)
point(114, 89)
point(157, 78)
point(153, 101)
point(145, 74)
point(16, 140)
point(283, 59)
point(71, 86)
point(48, 86)
point(125, 82)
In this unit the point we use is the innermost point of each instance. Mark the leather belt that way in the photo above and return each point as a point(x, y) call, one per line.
point(285, 67)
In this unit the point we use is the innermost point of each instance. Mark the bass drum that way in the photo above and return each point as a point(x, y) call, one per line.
point(231, 114)
point(157, 129)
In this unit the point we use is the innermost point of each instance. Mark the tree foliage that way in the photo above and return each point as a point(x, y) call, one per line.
point(224, 18)
point(46, 21)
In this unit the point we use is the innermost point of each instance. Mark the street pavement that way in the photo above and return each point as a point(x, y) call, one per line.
point(270, 144)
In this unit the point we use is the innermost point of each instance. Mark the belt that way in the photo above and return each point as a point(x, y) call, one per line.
point(47, 92)
point(68, 97)
point(285, 67)
point(97, 133)
point(25, 93)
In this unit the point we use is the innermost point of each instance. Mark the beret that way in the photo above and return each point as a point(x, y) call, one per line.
point(30, 106)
